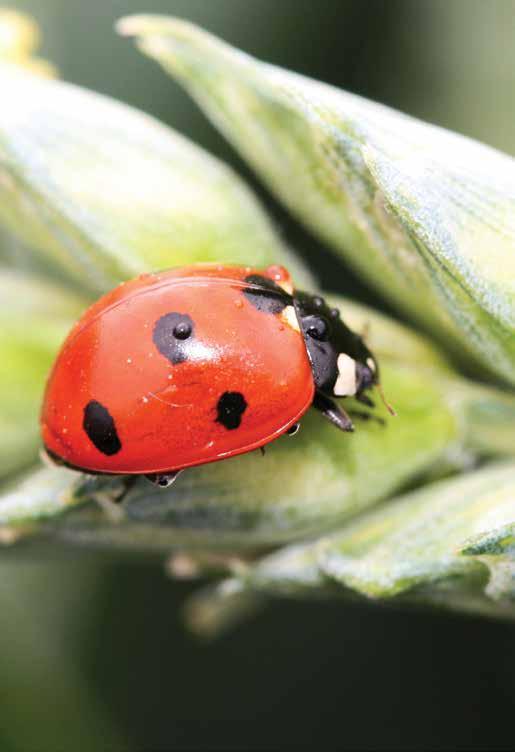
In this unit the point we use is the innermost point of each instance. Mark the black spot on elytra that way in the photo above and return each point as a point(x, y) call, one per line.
point(266, 296)
point(230, 408)
point(100, 428)
point(171, 334)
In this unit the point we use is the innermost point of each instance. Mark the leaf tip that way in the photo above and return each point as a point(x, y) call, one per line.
point(128, 26)
point(155, 35)
point(160, 36)
point(20, 38)
point(143, 24)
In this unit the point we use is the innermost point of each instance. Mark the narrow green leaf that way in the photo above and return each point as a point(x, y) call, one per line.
point(106, 192)
point(302, 485)
point(35, 316)
point(417, 539)
point(425, 215)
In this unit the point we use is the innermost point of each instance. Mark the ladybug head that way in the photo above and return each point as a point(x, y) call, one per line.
point(342, 364)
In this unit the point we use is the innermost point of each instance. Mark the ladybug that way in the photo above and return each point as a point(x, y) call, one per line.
point(196, 364)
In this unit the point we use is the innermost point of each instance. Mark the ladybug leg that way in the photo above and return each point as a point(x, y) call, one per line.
point(110, 506)
point(330, 410)
point(128, 483)
point(365, 400)
point(163, 480)
point(292, 430)
point(111, 502)
point(362, 415)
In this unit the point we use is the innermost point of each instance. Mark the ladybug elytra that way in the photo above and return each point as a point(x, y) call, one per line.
point(197, 364)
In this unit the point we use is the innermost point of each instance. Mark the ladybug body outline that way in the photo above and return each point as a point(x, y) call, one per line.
point(194, 365)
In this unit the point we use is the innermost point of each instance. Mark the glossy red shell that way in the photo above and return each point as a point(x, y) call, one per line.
point(165, 413)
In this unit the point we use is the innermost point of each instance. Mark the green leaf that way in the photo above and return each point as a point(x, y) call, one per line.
point(316, 480)
point(105, 192)
point(450, 543)
point(252, 500)
point(425, 215)
point(35, 316)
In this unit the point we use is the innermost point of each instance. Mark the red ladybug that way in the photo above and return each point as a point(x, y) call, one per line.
point(194, 365)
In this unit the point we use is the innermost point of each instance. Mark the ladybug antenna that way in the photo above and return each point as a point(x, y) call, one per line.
point(383, 398)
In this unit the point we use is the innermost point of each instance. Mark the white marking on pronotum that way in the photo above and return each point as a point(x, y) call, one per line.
point(371, 365)
point(289, 317)
point(346, 383)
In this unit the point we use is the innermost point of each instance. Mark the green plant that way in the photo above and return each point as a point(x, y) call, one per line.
point(93, 192)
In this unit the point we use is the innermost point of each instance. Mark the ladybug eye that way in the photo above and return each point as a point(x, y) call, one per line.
point(318, 328)
point(182, 330)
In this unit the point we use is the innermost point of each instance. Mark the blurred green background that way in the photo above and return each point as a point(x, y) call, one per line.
point(93, 653)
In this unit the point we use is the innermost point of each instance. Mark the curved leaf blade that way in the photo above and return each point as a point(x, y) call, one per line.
point(106, 192)
point(427, 216)
point(448, 544)
point(254, 500)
